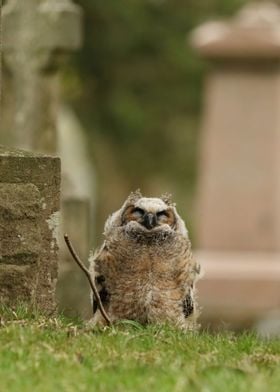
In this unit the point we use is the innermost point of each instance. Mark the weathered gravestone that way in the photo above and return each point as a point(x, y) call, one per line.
point(29, 218)
point(238, 210)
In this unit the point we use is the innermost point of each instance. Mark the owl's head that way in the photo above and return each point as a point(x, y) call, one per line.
point(147, 216)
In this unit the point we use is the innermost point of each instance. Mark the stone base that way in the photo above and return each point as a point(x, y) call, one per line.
point(29, 212)
point(238, 289)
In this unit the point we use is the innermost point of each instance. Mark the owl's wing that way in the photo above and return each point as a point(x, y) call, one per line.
point(194, 274)
point(188, 304)
point(97, 261)
point(102, 291)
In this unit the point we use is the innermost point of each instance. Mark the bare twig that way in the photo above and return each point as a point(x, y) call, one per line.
point(88, 275)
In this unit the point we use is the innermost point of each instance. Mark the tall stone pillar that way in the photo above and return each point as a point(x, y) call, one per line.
point(35, 35)
point(239, 185)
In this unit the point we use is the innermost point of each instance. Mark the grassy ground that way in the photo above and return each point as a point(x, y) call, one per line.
point(57, 355)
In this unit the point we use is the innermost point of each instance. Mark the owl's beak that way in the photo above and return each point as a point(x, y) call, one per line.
point(150, 220)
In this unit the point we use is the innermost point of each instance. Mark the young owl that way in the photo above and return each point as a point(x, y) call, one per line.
point(144, 270)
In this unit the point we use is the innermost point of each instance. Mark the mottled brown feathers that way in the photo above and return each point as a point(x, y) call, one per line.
point(145, 270)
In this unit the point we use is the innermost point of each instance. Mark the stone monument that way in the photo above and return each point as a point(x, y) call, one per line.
point(36, 36)
point(238, 211)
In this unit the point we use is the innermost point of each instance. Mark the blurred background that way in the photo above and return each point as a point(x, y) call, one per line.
point(136, 85)
point(167, 96)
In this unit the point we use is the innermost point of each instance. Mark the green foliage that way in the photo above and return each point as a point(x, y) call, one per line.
point(56, 354)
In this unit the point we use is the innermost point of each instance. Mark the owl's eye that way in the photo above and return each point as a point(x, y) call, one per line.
point(132, 214)
point(162, 215)
point(137, 212)
point(166, 217)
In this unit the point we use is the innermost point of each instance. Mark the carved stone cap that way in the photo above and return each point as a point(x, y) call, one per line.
point(253, 33)
point(43, 24)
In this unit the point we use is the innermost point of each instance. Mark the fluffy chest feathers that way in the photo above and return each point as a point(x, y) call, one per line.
point(146, 281)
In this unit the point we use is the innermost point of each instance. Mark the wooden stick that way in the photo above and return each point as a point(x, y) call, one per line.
point(88, 275)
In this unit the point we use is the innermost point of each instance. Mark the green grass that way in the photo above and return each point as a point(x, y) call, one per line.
point(57, 355)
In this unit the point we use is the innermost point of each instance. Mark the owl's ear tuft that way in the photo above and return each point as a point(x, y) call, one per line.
point(134, 196)
point(167, 198)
